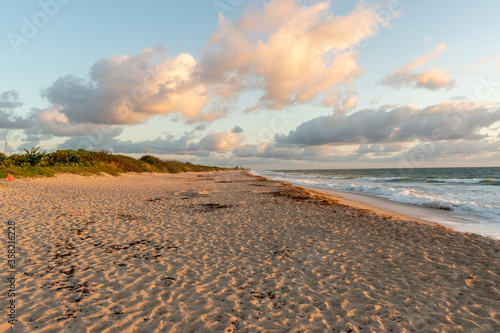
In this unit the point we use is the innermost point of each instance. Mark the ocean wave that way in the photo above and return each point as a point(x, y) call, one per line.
point(385, 179)
point(418, 198)
point(491, 182)
point(405, 194)
point(480, 181)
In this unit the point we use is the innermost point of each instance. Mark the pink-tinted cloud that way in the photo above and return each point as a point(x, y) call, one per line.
point(130, 89)
point(410, 76)
point(493, 60)
point(294, 53)
point(350, 102)
point(287, 51)
point(221, 142)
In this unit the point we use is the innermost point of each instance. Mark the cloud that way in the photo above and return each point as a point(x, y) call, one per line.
point(381, 149)
point(294, 53)
point(445, 121)
point(272, 150)
point(350, 102)
point(237, 129)
point(9, 100)
point(464, 148)
point(130, 89)
point(493, 60)
point(166, 145)
point(432, 79)
point(4, 134)
point(402, 155)
point(221, 142)
point(449, 151)
point(8, 103)
point(201, 127)
point(184, 145)
point(52, 122)
point(288, 51)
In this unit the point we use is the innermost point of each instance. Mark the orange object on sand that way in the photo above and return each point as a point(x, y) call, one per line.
point(10, 178)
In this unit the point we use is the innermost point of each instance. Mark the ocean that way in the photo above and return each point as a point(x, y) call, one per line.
point(470, 195)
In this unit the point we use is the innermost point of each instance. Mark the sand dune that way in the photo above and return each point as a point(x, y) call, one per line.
point(229, 252)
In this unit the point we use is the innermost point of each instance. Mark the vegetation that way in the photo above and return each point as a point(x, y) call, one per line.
point(36, 163)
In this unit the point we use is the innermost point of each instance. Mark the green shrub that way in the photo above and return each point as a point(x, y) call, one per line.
point(127, 163)
point(154, 161)
point(33, 157)
point(16, 160)
point(64, 157)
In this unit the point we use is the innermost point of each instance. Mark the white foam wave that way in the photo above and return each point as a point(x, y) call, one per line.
point(456, 181)
point(381, 179)
point(423, 197)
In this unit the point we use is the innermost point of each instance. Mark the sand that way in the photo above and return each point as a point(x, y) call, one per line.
point(230, 252)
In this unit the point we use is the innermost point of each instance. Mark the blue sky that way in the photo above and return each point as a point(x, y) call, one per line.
point(263, 84)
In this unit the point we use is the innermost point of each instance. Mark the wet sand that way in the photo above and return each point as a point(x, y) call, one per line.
point(230, 252)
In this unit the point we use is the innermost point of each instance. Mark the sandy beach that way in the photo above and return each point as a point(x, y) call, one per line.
point(231, 252)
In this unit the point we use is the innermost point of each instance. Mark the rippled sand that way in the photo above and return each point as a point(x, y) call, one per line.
point(229, 252)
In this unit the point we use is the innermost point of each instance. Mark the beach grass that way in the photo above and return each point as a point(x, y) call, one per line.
point(36, 163)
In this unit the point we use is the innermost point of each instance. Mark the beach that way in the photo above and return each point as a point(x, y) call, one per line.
point(233, 252)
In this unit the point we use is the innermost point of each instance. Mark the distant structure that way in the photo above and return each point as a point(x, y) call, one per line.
point(5, 148)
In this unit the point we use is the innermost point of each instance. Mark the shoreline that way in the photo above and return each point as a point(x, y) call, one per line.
point(354, 201)
point(233, 252)
point(403, 211)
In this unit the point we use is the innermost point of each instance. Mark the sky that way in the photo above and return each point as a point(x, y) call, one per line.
point(277, 84)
